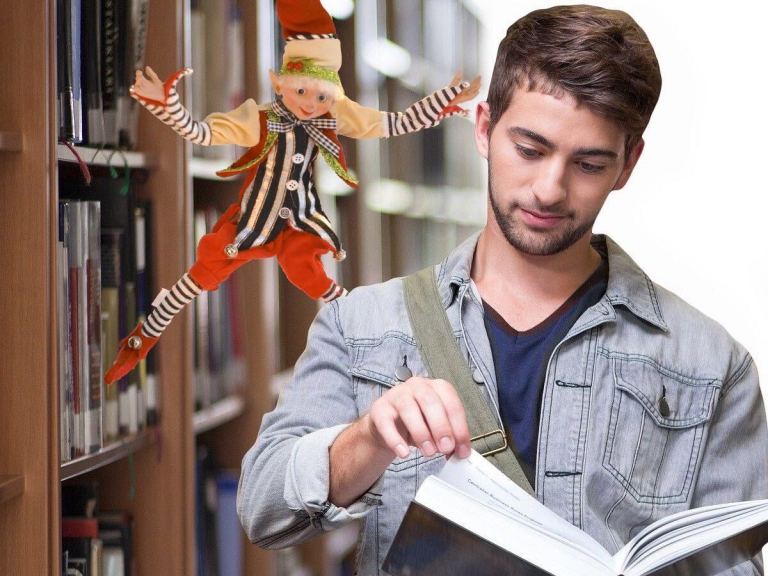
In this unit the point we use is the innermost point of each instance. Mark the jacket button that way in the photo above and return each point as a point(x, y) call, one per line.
point(298, 158)
point(292, 185)
point(477, 376)
point(402, 373)
point(230, 250)
point(284, 212)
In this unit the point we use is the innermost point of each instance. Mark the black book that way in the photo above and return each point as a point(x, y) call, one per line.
point(93, 132)
point(68, 45)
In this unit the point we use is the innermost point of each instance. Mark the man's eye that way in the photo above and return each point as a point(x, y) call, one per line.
point(590, 168)
point(300, 91)
point(526, 152)
point(322, 97)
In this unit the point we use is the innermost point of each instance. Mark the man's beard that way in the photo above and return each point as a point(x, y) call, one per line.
point(537, 243)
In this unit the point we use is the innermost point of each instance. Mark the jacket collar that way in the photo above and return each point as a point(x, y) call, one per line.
point(628, 286)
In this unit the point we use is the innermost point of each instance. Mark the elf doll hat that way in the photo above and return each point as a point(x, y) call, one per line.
point(311, 46)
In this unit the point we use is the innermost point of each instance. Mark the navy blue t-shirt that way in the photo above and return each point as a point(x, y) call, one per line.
point(521, 361)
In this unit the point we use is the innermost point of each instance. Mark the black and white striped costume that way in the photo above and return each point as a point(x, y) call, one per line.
point(286, 193)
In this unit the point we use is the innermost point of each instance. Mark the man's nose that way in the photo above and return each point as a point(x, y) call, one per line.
point(551, 186)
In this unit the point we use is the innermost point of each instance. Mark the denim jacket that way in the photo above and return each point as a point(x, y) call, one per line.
point(611, 458)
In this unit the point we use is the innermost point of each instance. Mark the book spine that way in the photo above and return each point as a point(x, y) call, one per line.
point(109, 69)
point(95, 380)
point(91, 66)
point(110, 294)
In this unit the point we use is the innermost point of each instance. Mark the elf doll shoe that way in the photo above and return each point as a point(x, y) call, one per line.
point(133, 349)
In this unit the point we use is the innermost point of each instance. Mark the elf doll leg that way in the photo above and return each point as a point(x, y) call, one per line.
point(299, 256)
point(212, 267)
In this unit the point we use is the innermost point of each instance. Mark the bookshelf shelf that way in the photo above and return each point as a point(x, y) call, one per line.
point(111, 453)
point(104, 157)
point(10, 141)
point(11, 487)
point(217, 414)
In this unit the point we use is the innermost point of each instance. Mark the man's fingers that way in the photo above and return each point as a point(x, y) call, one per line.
point(457, 417)
point(434, 413)
point(412, 417)
point(383, 418)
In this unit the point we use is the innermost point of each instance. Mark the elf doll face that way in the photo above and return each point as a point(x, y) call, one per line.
point(306, 98)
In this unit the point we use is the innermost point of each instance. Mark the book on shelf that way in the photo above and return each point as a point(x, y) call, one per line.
point(79, 298)
point(218, 59)
point(471, 518)
point(219, 355)
point(81, 546)
point(104, 235)
point(219, 540)
point(100, 44)
point(69, 82)
point(93, 107)
point(94, 541)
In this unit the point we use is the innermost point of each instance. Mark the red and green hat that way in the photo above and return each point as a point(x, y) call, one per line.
point(311, 47)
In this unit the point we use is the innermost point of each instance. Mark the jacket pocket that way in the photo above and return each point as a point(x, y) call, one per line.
point(657, 425)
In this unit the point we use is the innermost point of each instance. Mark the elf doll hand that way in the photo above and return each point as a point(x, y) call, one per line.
point(469, 90)
point(149, 89)
point(148, 86)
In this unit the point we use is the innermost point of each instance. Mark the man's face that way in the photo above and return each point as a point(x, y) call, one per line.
point(304, 97)
point(551, 166)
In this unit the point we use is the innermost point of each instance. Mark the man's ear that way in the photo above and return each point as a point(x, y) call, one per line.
point(275, 79)
point(482, 128)
point(629, 165)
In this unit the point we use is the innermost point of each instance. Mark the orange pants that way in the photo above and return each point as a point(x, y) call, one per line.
point(298, 254)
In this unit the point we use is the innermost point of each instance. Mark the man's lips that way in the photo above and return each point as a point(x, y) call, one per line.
point(539, 220)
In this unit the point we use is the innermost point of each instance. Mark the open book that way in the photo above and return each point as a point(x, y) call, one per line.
point(471, 519)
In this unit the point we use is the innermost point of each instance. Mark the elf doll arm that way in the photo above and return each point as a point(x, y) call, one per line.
point(356, 121)
point(240, 126)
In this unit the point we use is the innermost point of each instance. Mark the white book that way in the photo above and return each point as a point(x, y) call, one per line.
point(471, 512)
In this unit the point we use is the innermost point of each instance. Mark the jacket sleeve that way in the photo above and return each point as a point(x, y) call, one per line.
point(357, 121)
point(735, 463)
point(283, 492)
point(240, 126)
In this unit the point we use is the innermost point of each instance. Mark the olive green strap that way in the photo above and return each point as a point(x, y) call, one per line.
point(443, 359)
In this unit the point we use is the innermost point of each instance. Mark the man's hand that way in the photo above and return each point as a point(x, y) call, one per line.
point(420, 412)
point(148, 86)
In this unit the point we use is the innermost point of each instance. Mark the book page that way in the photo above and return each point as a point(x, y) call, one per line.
point(481, 480)
point(693, 537)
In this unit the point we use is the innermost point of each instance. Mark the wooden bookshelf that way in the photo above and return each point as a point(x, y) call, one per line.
point(118, 159)
point(11, 487)
point(10, 141)
point(218, 413)
point(111, 453)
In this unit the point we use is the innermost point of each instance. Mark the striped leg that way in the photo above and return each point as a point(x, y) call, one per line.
point(135, 347)
point(168, 304)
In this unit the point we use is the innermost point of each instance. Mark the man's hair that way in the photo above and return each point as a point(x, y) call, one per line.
point(601, 57)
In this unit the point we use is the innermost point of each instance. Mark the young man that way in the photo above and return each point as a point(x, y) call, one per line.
point(622, 402)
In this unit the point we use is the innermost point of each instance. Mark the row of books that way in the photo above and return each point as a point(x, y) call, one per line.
point(218, 535)
point(219, 352)
point(218, 60)
point(100, 44)
point(94, 542)
point(102, 292)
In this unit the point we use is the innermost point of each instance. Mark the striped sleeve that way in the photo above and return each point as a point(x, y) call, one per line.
point(179, 119)
point(425, 113)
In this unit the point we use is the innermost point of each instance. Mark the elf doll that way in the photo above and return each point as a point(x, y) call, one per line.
point(278, 213)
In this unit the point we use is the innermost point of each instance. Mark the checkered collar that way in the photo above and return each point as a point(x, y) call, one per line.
point(314, 126)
